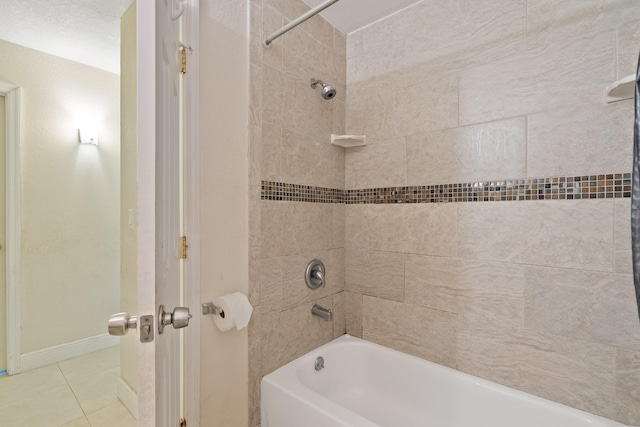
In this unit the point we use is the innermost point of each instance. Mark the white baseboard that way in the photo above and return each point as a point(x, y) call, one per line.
point(61, 352)
point(128, 397)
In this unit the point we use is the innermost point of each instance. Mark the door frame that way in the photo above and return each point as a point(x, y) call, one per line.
point(192, 213)
point(13, 207)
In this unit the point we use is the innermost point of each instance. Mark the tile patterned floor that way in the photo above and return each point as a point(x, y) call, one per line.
point(79, 392)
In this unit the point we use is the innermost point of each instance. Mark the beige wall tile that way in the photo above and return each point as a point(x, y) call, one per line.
point(272, 21)
point(380, 274)
point(430, 104)
point(445, 35)
point(311, 161)
point(291, 228)
point(271, 153)
point(378, 164)
point(627, 408)
point(339, 116)
point(255, 193)
point(422, 332)
point(272, 227)
point(573, 372)
point(289, 9)
point(489, 353)
point(353, 313)
point(585, 305)
point(551, 20)
point(587, 139)
point(622, 262)
point(307, 112)
point(294, 289)
point(255, 155)
point(487, 151)
point(339, 315)
point(271, 280)
point(339, 212)
point(340, 42)
point(275, 95)
point(628, 47)
point(304, 56)
point(478, 291)
point(308, 227)
point(428, 229)
point(355, 108)
point(320, 30)
point(373, 227)
point(292, 333)
point(255, 276)
point(255, 367)
point(255, 95)
point(256, 38)
point(540, 79)
point(570, 234)
point(622, 227)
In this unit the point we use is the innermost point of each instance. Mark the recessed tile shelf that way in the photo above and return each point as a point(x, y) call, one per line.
point(622, 89)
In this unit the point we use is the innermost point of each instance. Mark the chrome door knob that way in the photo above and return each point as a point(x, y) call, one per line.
point(120, 323)
point(179, 318)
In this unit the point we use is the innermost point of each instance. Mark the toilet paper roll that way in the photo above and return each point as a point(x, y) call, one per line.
point(237, 311)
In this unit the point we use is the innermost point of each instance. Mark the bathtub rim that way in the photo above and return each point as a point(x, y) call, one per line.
point(287, 375)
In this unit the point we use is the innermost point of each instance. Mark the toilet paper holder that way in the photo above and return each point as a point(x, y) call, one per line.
point(211, 308)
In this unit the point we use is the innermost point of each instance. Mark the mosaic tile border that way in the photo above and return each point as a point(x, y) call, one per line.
point(604, 186)
point(280, 191)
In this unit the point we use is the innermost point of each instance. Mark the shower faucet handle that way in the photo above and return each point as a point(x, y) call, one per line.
point(314, 275)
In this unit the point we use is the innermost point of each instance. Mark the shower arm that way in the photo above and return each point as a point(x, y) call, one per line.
point(315, 82)
point(291, 25)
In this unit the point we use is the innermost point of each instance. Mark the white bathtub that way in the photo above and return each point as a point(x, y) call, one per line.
point(366, 385)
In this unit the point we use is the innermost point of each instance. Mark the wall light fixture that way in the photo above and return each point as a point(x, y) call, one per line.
point(88, 136)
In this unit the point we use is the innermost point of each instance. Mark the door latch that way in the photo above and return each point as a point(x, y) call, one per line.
point(120, 323)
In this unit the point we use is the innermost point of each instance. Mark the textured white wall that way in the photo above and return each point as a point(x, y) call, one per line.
point(128, 193)
point(3, 284)
point(70, 197)
point(224, 114)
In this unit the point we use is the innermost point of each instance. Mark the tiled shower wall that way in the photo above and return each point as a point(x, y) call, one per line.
point(537, 295)
point(291, 127)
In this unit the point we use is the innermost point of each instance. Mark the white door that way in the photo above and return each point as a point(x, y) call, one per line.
point(158, 209)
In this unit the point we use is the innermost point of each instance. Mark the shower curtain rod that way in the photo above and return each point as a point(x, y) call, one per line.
point(298, 21)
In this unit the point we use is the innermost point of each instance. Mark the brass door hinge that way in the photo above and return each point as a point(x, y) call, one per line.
point(183, 57)
point(183, 247)
point(183, 60)
point(183, 422)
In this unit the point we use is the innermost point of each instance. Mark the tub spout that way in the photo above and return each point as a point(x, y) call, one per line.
point(322, 312)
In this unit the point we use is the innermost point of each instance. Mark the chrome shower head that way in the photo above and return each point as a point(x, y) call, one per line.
point(328, 92)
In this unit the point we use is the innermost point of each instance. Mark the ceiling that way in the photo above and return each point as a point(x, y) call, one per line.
point(88, 31)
